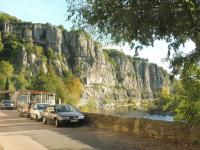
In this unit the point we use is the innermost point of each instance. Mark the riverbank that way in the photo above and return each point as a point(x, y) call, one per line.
point(130, 111)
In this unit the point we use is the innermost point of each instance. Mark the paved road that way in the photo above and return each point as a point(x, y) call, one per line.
point(18, 133)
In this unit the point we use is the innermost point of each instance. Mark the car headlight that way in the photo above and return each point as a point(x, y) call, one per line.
point(81, 117)
point(11, 104)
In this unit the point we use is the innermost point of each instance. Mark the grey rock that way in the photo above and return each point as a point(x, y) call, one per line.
point(31, 58)
point(130, 79)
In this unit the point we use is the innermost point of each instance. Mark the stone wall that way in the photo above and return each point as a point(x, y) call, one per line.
point(176, 131)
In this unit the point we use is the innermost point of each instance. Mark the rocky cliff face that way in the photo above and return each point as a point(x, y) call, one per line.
point(106, 75)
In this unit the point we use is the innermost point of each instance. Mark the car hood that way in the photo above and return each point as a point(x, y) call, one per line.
point(70, 114)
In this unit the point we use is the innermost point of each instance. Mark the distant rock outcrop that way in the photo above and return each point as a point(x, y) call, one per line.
point(107, 75)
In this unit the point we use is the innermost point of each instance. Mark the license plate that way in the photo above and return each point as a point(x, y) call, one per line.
point(73, 120)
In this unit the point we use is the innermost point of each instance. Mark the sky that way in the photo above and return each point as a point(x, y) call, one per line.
point(54, 12)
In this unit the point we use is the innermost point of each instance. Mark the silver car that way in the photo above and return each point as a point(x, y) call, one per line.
point(6, 104)
point(36, 111)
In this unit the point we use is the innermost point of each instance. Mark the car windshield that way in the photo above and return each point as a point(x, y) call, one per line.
point(42, 106)
point(6, 101)
point(66, 108)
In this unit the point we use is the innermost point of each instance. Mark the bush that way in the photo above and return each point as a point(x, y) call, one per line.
point(1, 44)
point(91, 106)
point(30, 48)
point(21, 82)
point(12, 48)
point(74, 89)
point(38, 50)
point(6, 69)
point(50, 53)
point(4, 17)
point(61, 27)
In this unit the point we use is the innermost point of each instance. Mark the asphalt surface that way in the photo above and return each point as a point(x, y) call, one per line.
point(18, 133)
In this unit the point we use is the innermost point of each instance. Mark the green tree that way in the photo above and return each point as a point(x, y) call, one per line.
point(69, 90)
point(12, 48)
point(90, 106)
point(38, 50)
point(7, 18)
point(1, 44)
point(49, 82)
point(74, 89)
point(188, 101)
point(30, 48)
point(141, 22)
point(7, 88)
point(6, 72)
point(21, 82)
point(50, 53)
point(2, 81)
point(6, 69)
point(165, 93)
point(184, 98)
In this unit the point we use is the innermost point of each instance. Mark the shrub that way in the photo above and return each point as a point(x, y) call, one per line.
point(4, 17)
point(1, 44)
point(38, 50)
point(50, 53)
point(90, 106)
point(6, 69)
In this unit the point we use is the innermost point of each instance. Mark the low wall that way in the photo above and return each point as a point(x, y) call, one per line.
point(178, 131)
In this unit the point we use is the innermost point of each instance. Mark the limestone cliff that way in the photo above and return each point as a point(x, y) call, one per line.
point(107, 75)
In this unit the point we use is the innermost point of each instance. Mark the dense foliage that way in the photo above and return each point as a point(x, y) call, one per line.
point(6, 72)
point(1, 44)
point(143, 21)
point(183, 98)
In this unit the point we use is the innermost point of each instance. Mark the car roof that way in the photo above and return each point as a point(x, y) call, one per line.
point(41, 103)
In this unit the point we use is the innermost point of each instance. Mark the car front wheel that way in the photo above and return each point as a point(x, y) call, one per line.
point(36, 117)
point(44, 120)
point(19, 113)
point(26, 115)
point(57, 123)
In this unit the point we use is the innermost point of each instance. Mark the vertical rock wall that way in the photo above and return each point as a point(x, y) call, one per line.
point(126, 79)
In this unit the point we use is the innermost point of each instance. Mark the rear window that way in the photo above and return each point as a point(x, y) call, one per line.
point(42, 106)
point(6, 101)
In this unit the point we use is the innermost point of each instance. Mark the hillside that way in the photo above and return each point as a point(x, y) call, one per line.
point(43, 50)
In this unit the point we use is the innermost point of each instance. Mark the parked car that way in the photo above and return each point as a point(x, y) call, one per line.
point(24, 110)
point(6, 104)
point(62, 114)
point(36, 111)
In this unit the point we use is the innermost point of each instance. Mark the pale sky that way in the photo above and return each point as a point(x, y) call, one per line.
point(54, 12)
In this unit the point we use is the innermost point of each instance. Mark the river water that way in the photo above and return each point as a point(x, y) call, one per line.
point(131, 113)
